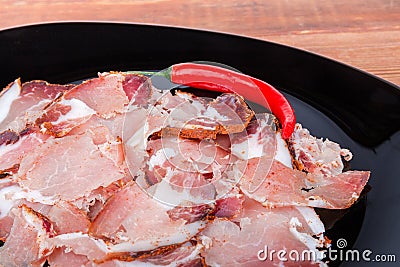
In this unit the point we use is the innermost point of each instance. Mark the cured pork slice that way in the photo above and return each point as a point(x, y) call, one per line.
point(186, 171)
point(64, 216)
point(92, 97)
point(63, 169)
point(187, 155)
point(22, 104)
point(317, 156)
point(81, 244)
point(284, 186)
point(261, 140)
point(7, 189)
point(192, 117)
point(184, 255)
point(257, 229)
point(137, 88)
point(96, 94)
point(12, 153)
point(88, 251)
point(92, 204)
point(137, 222)
point(27, 243)
point(61, 258)
point(67, 218)
point(229, 206)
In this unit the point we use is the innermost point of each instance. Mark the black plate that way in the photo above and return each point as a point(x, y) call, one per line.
point(353, 108)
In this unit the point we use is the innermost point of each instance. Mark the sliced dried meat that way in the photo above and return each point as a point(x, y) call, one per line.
point(81, 244)
point(62, 116)
point(317, 156)
point(27, 243)
point(238, 243)
point(192, 117)
point(185, 255)
point(190, 214)
point(137, 222)
point(11, 155)
point(67, 218)
point(137, 88)
point(188, 155)
point(200, 163)
point(284, 186)
point(60, 258)
point(96, 94)
point(21, 105)
point(7, 188)
point(182, 171)
point(229, 206)
point(62, 169)
point(92, 97)
point(87, 250)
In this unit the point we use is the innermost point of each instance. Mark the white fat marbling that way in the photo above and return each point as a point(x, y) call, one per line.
point(310, 242)
point(184, 234)
point(250, 148)
point(78, 110)
point(7, 98)
point(312, 219)
point(7, 200)
point(282, 152)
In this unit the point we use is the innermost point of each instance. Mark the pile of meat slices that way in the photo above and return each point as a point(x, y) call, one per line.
point(113, 172)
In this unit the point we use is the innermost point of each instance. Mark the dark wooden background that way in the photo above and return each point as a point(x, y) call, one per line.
point(362, 33)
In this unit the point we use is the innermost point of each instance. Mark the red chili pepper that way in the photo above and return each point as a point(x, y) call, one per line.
point(219, 79)
point(222, 80)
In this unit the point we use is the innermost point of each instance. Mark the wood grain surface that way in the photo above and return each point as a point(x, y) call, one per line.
point(361, 33)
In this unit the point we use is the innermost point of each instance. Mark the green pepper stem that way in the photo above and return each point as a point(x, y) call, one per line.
point(164, 73)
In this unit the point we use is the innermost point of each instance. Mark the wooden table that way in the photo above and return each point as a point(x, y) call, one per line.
point(362, 33)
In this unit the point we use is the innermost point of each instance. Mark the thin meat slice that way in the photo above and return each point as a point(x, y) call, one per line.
point(8, 187)
point(62, 169)
point(183, 189)
point(90, 251)
point(80, 103)
point(64, 115)
point(229, 206)
point(179, 170)
point(317, 156)
point(12, 154)
point(67, 218)
point(140, 223)
point(134, 139)
point(191, 117)
point(61, 258)
point(27, 243)
point(185, 255)
point(137, 88)
point(182, 171)
point(284, 186)
point(64, 216)
point(261, 140)
point(92, 204)
point(81, 244)
point(190, 214)
point(188, 155)
point(20, 105)
point(107, 135)
point(239, 242)
point(96, 94)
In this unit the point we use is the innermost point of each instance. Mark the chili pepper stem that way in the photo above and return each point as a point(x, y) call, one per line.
point(166, 73)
